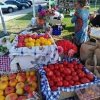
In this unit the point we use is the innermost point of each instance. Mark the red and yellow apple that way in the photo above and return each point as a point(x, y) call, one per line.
point(20, 91)
point(2, 97)
point(32, 73)
point(21, 77)
point(31, 79)
point(34, 86)
point(4, 78)
point(13, 82)
point(9, 90)
point(20, 85)
point(22, 98)
point(3, 85)
point(1, 92)
point(12, 96)
point(12, 76)
point(27, 88)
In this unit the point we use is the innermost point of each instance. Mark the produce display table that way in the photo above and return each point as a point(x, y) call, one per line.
point(41, 54)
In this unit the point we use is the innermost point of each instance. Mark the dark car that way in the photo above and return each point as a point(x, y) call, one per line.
point(29, 2)
point(18, 4)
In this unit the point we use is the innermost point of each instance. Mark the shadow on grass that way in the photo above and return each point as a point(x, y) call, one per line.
point(69, 28)
point(26, 17)
point(68, 37)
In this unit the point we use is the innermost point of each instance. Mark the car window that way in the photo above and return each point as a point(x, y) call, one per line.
point(1, 3)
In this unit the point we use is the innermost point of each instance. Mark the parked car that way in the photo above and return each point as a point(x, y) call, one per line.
point(7, 7)
point(29, 2)
point(18, 4)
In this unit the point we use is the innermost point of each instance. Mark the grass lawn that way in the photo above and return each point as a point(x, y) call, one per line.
point(18, 24)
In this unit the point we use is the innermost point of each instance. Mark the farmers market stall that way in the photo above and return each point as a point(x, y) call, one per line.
point(34, 67)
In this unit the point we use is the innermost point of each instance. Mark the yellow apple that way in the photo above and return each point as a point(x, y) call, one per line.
point(20, 85)
point(3, 85)
point(1, 92)
point(20, 91)
point(2, 97)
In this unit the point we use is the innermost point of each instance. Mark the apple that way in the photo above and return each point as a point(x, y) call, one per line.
point(4, 78)
point(30, 95)
point(31, 79)
point(27, 88)
point(20, 91)
point(2, 97)
point(32, 73)
point(20, 85)
point(3, 85)
point(9, 90)
point(65, 83)
point(34, 85)
point(90, 76)
point(13, 82)
point(1, 92)
point(21, 77)
point(12, 76)
point(22, 98)
point(12, 96)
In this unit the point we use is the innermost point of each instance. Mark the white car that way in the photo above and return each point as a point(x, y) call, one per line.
point(7, 7)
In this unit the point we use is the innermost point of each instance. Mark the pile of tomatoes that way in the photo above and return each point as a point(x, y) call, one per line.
point(66, 74)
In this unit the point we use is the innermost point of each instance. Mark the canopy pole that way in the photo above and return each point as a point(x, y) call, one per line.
point(34, 14)
point(95, 4)
point(49, 4)
point(3, 22)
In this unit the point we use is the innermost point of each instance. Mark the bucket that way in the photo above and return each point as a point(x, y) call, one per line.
point(56, 30)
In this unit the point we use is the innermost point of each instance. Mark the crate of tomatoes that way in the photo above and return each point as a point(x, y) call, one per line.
point(21, 85)
point(65, 76)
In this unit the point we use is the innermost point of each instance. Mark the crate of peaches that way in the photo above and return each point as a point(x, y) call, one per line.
point(32, 40)
point(19, 86)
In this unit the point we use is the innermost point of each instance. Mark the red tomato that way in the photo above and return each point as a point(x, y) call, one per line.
point(71, 82)
point(81, 74)
point(58, 74)
point(51, 83)
point(54, 88)
point(80, 66)
point(77, 83)
point(74, 62)
point(72, 69)
point(65, 83)
point(90, 77)
point(67, 71)
point(65, 62)
point(68, 78)
point(74, 74)
point(50, 73)
point(60, 83)
point(75, 78)
point(85, 80)
point(70, 65)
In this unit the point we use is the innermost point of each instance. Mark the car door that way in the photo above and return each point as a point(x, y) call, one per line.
point(3, 6)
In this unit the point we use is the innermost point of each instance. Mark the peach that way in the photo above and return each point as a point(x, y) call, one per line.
point(20, 91)
point(12, 96)
point(20, 85)
point(3, 85)
point(32, 73)
point(22, 98)
point(1, 92)
point(21, 77)
point(12, 76)
point(4, 78)
point(2, 97)
point(9, 90)
point(31, 79)
point(13, 82)
point(34, 85)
